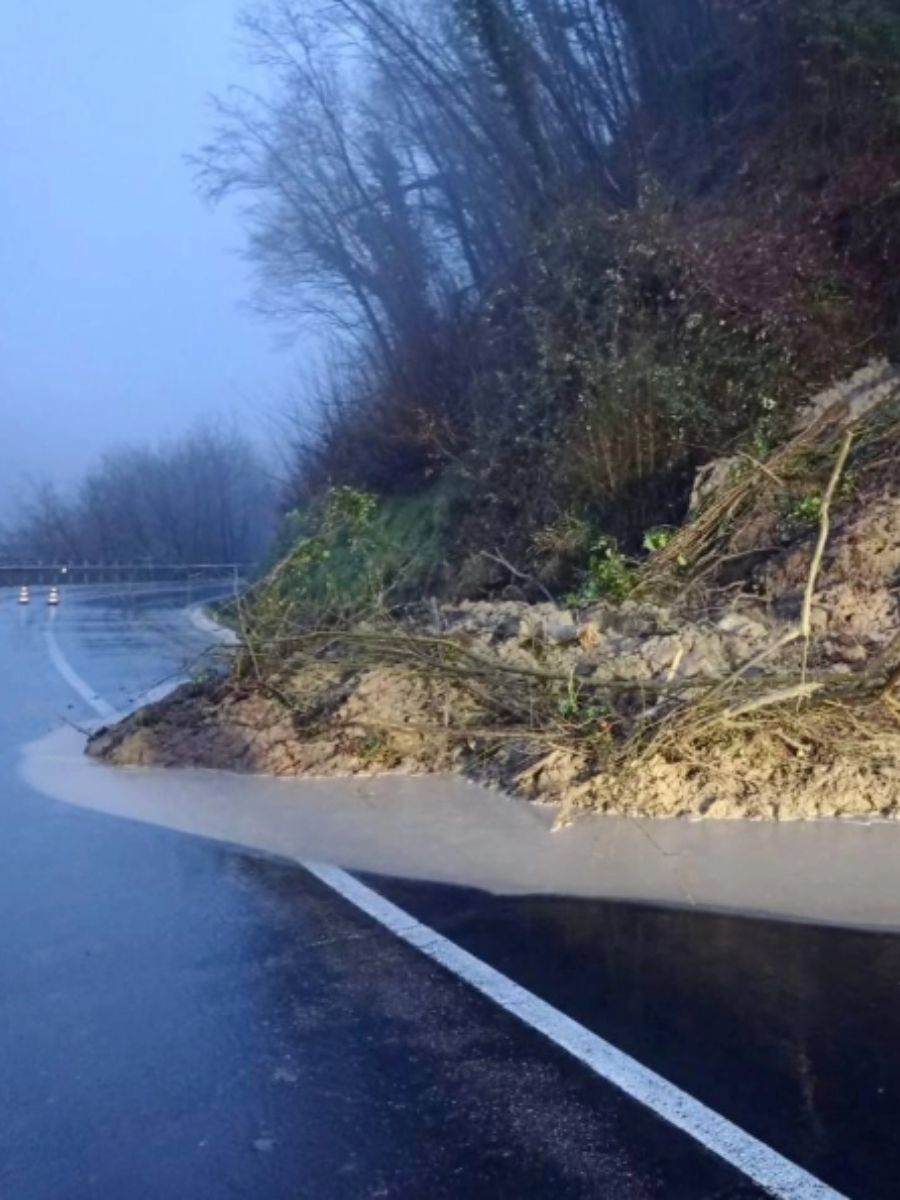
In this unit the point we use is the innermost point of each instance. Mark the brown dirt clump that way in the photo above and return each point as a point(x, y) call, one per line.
point(754, 777)
point(305, 723)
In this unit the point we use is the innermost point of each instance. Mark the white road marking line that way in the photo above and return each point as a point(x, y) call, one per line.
point(773, 1172)
point(158, 692)
point(73, 679)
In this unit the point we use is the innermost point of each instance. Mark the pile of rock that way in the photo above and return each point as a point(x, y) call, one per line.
point(631, 642)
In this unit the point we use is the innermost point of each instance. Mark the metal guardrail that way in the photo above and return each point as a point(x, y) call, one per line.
point(35, 574)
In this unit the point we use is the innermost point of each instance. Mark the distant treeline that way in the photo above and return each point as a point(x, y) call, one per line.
point(203, 498)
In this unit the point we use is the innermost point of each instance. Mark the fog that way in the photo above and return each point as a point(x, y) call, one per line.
point(123, 307)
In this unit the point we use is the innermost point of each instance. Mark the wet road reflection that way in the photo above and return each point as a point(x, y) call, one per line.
point(182, 1019)
point(790, 1030)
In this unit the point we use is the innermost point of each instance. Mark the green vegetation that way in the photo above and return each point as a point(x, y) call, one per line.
point(351, 552)
point(657, 539)
point(581, 708)
point(609, 575)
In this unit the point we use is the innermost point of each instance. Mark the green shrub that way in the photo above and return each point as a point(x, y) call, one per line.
point(354, 552)
point(658, 538)
point(609, 575)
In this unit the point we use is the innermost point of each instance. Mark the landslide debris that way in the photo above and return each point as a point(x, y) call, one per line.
point(764, 692)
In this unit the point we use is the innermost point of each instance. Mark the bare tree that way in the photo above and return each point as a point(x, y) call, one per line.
point(204, 497)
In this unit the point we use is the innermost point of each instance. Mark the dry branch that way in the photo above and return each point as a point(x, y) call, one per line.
point(821, 542)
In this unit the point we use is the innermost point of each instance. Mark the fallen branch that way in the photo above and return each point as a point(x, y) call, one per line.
point(497, 557)
point(801, 691)
point(821, 542)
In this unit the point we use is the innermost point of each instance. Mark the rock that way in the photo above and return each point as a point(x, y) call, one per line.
point(661, 652)
point(280, 761)
point(860, 393)
point(637, 620)
point(632, 668)
point(603, 672)
point(478, 575)
point(861, 614)
point(711, 479)
point(559, 634)
point(741, 626)
point(508, 629)
point(700, 663)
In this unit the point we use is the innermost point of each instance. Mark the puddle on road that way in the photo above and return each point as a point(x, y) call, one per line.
point(446, 830)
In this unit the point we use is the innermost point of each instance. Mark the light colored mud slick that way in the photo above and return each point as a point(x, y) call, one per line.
point(449, 831)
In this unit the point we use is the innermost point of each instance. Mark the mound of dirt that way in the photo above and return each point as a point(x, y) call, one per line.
point(856, 600)
point(752, 780)
point(327, 720)
point(308, 723)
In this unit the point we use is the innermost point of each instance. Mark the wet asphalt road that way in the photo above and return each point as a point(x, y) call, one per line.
point(181, 1019)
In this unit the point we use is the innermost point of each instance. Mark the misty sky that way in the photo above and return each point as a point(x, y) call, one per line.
point(121, 296)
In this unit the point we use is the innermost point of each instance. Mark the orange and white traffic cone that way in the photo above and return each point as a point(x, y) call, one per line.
point(24, 596)
point(53, 598)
